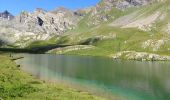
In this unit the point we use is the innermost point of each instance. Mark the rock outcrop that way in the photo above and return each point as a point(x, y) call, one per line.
point(123, 4)
point(6, 15)
point(141, 56)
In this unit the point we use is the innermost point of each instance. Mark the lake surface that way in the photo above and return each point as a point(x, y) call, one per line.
point(134, 80)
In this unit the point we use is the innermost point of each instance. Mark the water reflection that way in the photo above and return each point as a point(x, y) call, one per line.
point(143, 80)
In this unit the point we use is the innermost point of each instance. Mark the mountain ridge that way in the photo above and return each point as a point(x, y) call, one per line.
point(55, 22)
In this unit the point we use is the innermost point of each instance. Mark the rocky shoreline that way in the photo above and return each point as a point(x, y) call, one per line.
point(140, 56)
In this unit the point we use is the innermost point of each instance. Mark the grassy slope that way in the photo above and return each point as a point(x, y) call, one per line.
point(129, 39)
point(126, 39)
point(16, 85)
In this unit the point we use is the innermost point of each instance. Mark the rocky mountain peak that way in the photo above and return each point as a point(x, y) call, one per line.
point(122, 4)
point(6, 15)
point(60, 9)
point(39, 10)
point(41, 21)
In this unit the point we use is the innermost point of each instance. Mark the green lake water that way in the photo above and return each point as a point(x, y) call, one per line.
point(133, 80)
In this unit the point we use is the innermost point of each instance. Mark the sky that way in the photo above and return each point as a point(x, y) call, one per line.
point(16, 6)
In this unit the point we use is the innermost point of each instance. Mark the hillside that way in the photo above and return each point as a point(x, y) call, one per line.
point(143, 29)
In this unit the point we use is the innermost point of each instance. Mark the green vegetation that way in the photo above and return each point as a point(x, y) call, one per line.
point(78, 50)
point(108, 40)
point(17, 85)
point(39, 43)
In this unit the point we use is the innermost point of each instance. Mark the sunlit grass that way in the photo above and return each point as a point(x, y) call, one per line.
point(17, 85)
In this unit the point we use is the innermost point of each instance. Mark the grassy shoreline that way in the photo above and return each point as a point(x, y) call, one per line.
point(17, 85)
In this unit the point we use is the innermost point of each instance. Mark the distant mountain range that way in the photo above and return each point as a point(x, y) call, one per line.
point(111, 26)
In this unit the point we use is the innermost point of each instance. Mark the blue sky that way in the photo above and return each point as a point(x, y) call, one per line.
point(16, 6)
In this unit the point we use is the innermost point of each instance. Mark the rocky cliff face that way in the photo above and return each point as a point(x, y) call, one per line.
point(39, 25)
point(40, 21)
point(6, 15)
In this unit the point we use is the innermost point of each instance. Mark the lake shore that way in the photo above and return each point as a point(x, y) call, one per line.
point(122, 55)
point(18, 85)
